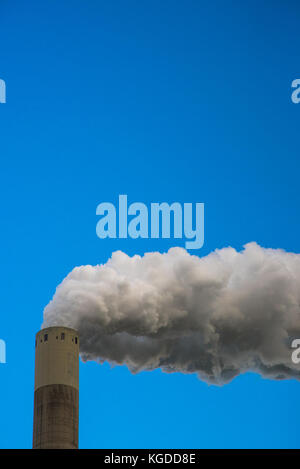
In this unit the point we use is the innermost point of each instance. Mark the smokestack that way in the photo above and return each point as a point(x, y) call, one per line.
point(56, 390)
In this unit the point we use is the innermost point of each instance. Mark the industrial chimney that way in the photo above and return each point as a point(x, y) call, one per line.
point(56, 389)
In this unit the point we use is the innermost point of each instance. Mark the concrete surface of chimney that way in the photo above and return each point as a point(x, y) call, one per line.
point(56, 389)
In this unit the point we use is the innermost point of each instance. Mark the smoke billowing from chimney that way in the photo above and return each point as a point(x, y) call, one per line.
point(218, 316)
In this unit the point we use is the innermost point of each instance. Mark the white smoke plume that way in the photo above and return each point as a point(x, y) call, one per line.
point(218, 316)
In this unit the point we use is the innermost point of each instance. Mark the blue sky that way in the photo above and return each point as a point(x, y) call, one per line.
point(164, 101)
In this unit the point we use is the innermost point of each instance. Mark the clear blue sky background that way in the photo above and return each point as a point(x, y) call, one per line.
point(186, 101)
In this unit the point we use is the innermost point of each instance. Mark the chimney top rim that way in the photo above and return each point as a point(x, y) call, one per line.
point(58, 328)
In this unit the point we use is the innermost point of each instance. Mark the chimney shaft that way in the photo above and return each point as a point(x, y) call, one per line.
point(56, 390)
